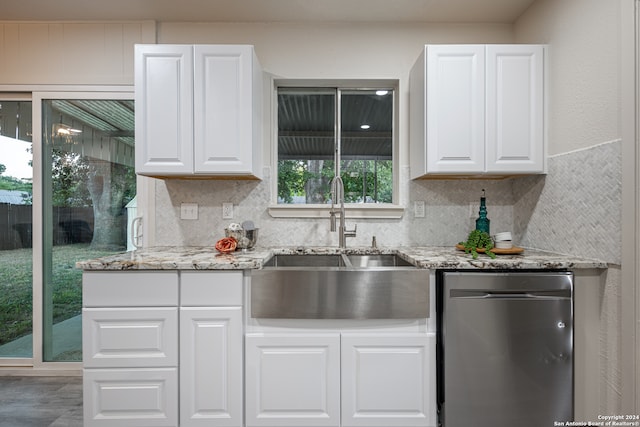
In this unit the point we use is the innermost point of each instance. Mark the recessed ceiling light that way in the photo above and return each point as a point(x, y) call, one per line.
point(365, 127)
point(63, 129)
point(382, 92)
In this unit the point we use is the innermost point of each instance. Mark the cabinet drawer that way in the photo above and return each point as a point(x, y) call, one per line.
point(130, 397)
point(211, 288)
point(130, 337)
point(129, 289)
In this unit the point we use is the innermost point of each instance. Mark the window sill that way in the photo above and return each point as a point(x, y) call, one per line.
point(355, 211)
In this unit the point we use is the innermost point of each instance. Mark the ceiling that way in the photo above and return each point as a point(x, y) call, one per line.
point(494, 11)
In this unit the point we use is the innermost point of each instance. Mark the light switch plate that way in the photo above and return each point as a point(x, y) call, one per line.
point(418, 208)
point(189, 211)
point(227, 211)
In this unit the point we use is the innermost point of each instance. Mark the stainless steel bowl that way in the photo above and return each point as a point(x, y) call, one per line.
point(236, 234)
point(246, 238)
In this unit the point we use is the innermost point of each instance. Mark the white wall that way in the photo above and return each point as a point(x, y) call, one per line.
point(578, 206)
point(584, 68)
point(89, 53)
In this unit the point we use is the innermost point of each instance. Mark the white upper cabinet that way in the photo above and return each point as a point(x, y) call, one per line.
point(515, 109)
point(455, 108)
point(198, 111)
point(477, 109)
point(164, 109)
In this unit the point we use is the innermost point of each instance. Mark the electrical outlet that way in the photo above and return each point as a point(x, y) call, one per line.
point(189, 211)
point(418, 208)
point(227, 211)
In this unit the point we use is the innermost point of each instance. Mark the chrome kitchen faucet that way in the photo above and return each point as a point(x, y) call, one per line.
point(337, 196)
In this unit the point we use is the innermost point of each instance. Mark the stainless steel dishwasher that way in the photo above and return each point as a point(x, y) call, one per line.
point(505, 348)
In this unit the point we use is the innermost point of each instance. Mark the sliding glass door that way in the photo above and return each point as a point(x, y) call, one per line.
point(16, 228)
point(67, 183)
point(88, 178)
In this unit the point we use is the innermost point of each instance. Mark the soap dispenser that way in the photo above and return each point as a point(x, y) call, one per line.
point(482, 223)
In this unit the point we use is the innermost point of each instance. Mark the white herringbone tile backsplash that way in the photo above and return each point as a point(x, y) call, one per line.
point(574, 209)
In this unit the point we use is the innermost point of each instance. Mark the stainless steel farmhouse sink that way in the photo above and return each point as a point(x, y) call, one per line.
point(339, 286)
point(378, 261)
point(334, 260)
point(337, 260)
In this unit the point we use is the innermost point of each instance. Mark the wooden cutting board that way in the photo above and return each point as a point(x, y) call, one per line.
point(511, 251)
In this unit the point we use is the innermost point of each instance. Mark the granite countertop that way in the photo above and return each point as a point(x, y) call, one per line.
point(437, 257)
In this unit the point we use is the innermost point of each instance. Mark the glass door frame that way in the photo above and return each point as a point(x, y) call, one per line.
point(20, 362)
point(37, 94)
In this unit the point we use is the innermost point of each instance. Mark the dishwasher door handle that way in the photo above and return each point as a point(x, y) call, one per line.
point(551, 294)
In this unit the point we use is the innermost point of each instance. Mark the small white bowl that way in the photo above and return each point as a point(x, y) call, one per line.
point(503, 244)
point(505, 235)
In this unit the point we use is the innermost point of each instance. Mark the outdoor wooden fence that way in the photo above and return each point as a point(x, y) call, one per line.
point(70, 225)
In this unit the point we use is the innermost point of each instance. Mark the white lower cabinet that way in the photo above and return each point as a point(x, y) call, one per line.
point(293, 380)
point(152, 358)
point(130, 348)
point(211, 366)
point(388, 380)
point(348, 379)
point(166, 349)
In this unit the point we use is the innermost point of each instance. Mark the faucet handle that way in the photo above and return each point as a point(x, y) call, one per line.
point(351, 233)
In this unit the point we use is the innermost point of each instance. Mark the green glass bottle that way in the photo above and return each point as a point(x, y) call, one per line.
point(483, 223)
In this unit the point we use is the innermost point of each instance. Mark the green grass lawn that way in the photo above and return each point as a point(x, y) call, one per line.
point(16, 273)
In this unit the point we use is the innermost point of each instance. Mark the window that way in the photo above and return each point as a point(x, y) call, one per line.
point(324, 132)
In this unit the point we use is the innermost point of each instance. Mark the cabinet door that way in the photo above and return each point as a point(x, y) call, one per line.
point(130, 397)
point(164, 109)
point(293, 380)
point(455, 92)
point(388, 380)
point(211, 366)
point(223, 109)
point(515, 109)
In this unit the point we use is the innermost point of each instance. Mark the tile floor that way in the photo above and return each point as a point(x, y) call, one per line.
point(40, 401)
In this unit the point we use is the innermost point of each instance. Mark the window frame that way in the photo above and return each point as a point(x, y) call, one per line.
point(391, 210)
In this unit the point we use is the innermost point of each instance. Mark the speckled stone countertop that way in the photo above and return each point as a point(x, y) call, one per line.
point(206, 258)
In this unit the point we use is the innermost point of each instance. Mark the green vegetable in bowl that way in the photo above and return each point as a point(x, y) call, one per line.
point(478, 240)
